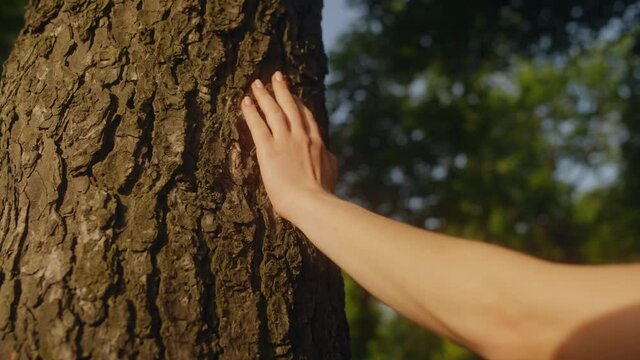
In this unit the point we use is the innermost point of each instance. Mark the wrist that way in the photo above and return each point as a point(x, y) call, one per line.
point(303, 202)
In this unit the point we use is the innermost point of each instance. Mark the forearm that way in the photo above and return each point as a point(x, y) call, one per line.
point(460, 281)
point(474, 293)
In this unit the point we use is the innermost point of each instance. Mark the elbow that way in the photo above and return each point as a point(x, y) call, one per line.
point(499, 347)
point(512, 347)
point(510, 337)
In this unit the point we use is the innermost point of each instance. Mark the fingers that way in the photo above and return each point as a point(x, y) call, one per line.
point(287, 103)
point(259, 130)
point(286, 110)
point(276, 118)
point(309, 121)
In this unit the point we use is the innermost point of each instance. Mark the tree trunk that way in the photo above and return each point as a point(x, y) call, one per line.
point(133, 222)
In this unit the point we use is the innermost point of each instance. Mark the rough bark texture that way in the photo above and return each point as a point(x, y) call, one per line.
point(133, 223)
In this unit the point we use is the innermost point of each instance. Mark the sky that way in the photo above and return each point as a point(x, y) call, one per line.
point(336, 18)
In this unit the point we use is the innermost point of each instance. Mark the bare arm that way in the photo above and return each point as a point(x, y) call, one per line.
point(497, 302)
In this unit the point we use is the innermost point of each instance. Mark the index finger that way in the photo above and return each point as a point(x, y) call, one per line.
point(258, 128)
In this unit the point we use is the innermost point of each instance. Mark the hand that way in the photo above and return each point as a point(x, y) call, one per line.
point(293, 158)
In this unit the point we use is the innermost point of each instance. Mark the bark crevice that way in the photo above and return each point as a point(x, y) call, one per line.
point(207, 336)
point(266, 348)
point(153, 282)
point(22, 229)
point(144, 146)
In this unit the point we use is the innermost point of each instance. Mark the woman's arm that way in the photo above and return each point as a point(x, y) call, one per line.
point(497, 302)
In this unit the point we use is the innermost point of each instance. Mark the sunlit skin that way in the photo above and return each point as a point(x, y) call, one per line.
point(497, 302)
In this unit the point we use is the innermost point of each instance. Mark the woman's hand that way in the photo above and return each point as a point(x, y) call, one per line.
point(293, 159)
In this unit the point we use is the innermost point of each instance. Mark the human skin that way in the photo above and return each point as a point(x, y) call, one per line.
point(497, 302)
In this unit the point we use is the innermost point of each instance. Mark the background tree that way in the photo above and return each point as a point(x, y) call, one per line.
point(11, 18)
point(506, 121)
point(132, 220)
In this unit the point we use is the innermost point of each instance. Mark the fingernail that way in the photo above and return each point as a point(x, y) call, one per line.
point(278, 76)
point(258, 84)
point(247, 101)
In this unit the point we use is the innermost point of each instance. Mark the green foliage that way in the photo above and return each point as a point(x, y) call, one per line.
point(505, 121)
point(11, 19)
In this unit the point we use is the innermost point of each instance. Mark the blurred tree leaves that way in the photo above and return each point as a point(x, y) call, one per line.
point(11, 19)
point(505, 121)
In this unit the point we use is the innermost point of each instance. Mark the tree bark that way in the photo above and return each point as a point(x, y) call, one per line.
point(133, 222)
